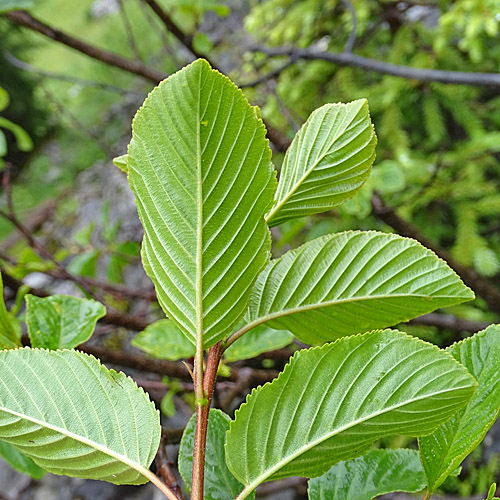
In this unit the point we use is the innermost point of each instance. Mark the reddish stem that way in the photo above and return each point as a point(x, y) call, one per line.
point(202, 413)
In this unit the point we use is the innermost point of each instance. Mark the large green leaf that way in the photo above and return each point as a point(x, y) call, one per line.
point(61, 321)
point(352, 282)
point(20, 462)
point(9, 336)
point(327, 163)
point(258, 340)
point(164, 340)
point(376, 473)
point(73, 416)
point(219, 483)
point(332, 402)
point(200, 167)
point(443, 451)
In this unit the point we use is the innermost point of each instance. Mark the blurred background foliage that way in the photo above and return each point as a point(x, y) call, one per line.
point(438, 147)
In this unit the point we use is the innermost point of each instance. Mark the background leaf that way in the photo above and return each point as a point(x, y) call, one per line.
point(9, 335)
point(200, 168)
point(352, 282)
point(443, 451)
point(6, 5)
point(327, 163)
point(73, 416)
point(61, 321)
point(20, 462)
point(220, 484)
point(257, 341)
point(164, 340)
point(376, 473)
point(332, 402)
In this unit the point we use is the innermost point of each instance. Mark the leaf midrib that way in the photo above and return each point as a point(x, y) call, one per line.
point(96, 446)
point(335, 432)
point(308, 172)
point(318, 305)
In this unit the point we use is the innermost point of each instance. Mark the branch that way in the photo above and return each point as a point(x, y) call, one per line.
point(66, 78)
point(135, 67)
point(420, 74)
point(483, 287)
point(351, 39)
point(163, 465)
point(172, 27)
point(450, 322)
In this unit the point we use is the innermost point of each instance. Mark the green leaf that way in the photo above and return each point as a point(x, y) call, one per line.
point(3, 144)
point(491, 492)
point(85, 264)
point(332, 402)
point(352, 282)
point(443, 451)
point(376, 473)
point(7, 5)
point(75, 417)
point(328, 161)
point(200, 168)
point(61, 321)
point(219, 484)
point(20, 462)
point(121, 163)
point(9, 334)
point(164, 340)
point(24, 142)
point(4, 95)
point(258, 340)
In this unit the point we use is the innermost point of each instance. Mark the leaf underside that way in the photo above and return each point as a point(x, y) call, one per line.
point(73, 416)
point(332, 402)
point(443, 451)
point(200, 168)
point(328, 161)
point(219, 483)
point(352, 282)
point(378, 472)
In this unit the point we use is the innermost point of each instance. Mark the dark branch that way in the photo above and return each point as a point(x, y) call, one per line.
point(419, 74)
point(135, 67)
point(172, 27)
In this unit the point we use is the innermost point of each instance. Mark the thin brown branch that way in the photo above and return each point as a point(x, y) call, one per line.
point(450, 322)
point(135, 67)
point(129, 32)
point(408, 72)
point(185, 39)
point(483, 287)
point(163, 465)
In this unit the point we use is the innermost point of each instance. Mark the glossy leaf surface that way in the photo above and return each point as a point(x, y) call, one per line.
point(220, 484)
point(200, 168)
point(327, 163)
point(376, 473)
point(332, 402)
point(352, 282)
point(61, 321)
point(443, 451)
point(73, 416)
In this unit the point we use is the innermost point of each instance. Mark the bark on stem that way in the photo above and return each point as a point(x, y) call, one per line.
point(202, 414)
